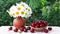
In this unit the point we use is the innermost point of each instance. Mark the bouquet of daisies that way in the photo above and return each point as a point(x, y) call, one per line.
point(20, 9)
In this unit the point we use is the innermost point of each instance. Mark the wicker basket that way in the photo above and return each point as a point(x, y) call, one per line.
point(39, 29)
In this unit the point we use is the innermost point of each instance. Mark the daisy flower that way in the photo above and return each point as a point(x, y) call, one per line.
point(13, 8)
point(20, 9)
point(22, 13)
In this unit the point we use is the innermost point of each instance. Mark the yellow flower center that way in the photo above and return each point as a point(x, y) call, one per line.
point(17, 13)
point(18, 8)
point(22, 5)
point(22, 12)
point(28, 9)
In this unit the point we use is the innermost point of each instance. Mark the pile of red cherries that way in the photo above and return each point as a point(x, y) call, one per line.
point(39, 24)
point(35, 24)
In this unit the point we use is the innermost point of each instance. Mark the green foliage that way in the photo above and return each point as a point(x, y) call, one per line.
point(42, 9)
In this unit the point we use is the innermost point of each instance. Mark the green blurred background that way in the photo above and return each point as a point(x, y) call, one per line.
point(48, 10)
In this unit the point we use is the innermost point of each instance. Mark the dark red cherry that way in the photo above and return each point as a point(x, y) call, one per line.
point(42, 25)
point(32, 30)
point(33, 24)
point(49, 28)
point(16, 30)
point(36, 22)
point(25, 30)
point(46, 31)
point(28, 28)
point(22, 29)
point(45, 22)
point(41, 21)
point(10, 28)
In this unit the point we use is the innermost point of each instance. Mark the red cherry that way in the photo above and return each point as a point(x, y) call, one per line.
point(41, 21)
point(36, 27)
point(49, 28)
point(16, 30)
point(36, 22)
point(33, 24)
point(32, 31)
point(28, 28)
point(46, 31)
point(45, 22)
point(22, 29)
point(25, 30)
point(41, 25)
point(10, 28)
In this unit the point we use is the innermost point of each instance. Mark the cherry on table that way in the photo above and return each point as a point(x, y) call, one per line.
point(10, 28)
point(46, 31)
point(32, 30)
point(28, 28)
point(25, 30)
point(16, 30)
point(22, 29)
point(49, 28)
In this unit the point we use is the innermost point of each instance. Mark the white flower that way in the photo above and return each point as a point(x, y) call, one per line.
point(13, 8)
point(28, 10)
point(11, 13)
point(21, 9)
point(27, 15)
point(23, 4)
